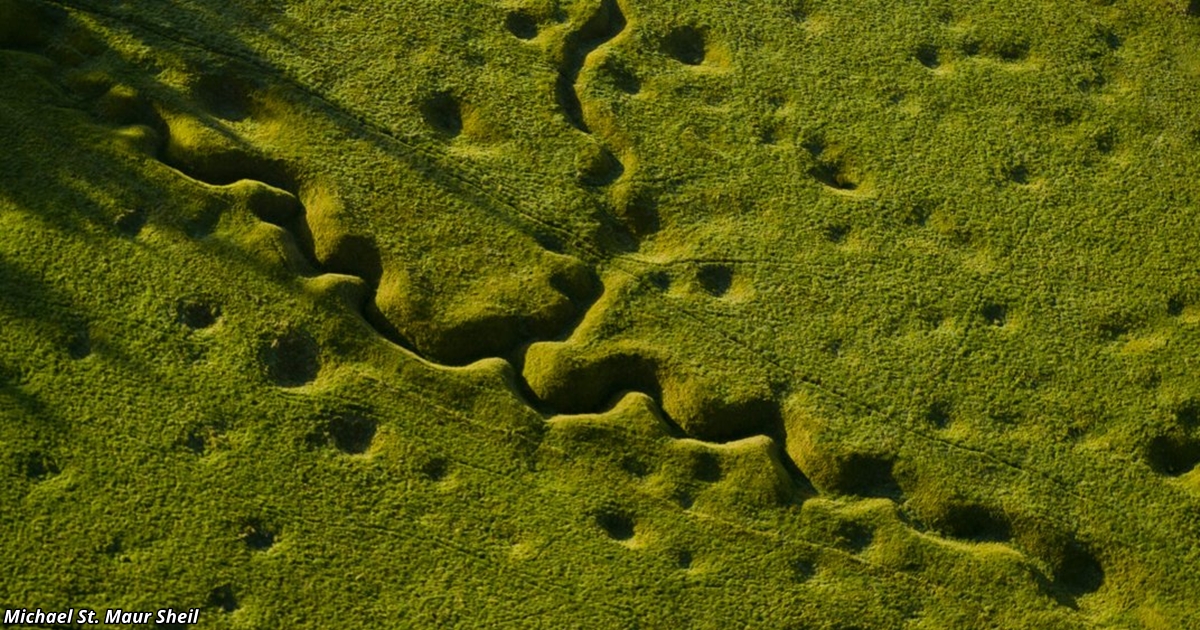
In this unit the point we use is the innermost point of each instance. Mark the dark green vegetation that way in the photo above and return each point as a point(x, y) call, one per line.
point(602, 313)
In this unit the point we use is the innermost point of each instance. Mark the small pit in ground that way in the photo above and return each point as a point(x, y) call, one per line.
point(257, 535)
point(639, 213)
point(995, 314)
point(803, 569)
point(1115, 325)
point(706, 467)
point(597, 166)
point(1064, 116)
point(686, 44)
point(352, 431)
point(837, 233)
point(226, 94)
point(928, 56)
point(1012, 51)
point(867, 475)
point(833, 175)
point(1175, 306)
point(435, 469)
point(1111, 40)
point(521, 25)
point(443, 113)
point(1080, 572)
point(634, 466)
point(79, 344)
point(131, 222)
point(616, 524)
point(1077, 572)
point(39, 466)
point(716, 280)
point(1173, 455)
point(622, 76)
point(222, 598)
point(1188, 414)
point(196, 442)
point(202, 223)
point(291, 359)
point(1017, 174)
point(797, 10)
point(976, 523)
point(197, 314)
point(938, 414)
point(204, 438)
point(855, 537)
point(660, 280)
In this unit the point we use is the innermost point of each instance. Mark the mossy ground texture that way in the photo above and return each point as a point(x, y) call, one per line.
point(602, 313)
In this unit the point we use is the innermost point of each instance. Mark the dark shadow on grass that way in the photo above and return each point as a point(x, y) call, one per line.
point(191, 30)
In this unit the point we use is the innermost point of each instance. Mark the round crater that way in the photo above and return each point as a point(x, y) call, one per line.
point(716, 280)
point(79, 344)
point(635, 466)
point(706, 467)
point(867, 475)
point(976, 523)
point(443, 113)
point(291, 359)
point(854, 537)
point(1017, 174)
point(615, 523)
point(38, 466)
point(1173, 455)
point(837, 233)
point(834, 174)
point(686, 44)
point(130, 222)
point(435, 469)
point(1012, 51)
point(1187, 414)
point(803, 569)
point(597, 166)
point(204, 438)
point(621, 76)
point(223, 599)
point(929, 56)
point(639, 212)
point(994, 314)
point(939, 414)
point(226, 94)
point(1079, 571)
point(352, 432)
point(197, 314)
point(257, 535)
point(521, 25)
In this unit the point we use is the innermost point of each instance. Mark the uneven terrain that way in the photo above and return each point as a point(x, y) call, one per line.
point(602, 313)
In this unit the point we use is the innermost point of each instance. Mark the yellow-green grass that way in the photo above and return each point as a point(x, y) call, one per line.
point(608, 313)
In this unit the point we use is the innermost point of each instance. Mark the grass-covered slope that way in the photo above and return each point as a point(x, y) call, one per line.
point(602, 313)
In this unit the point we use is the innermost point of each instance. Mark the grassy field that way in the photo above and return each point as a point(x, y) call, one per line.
point(602, 313)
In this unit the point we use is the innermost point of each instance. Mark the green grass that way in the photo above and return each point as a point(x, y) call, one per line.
point(602, 313)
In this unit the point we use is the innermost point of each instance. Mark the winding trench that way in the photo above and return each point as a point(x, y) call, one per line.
point(761, 418)
point(605, 24)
